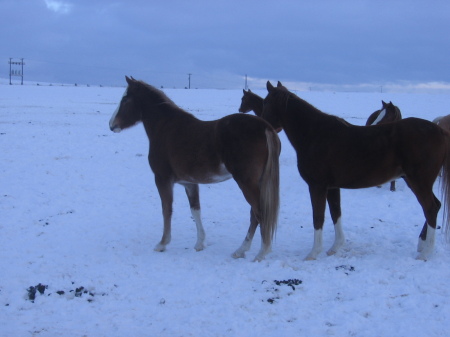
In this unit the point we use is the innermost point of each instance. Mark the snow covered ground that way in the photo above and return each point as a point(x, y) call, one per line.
point(80, 215)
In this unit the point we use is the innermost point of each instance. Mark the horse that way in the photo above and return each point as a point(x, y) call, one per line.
point(388, 113)
point(188, 151)
point(251, 102)
point(332, 154)
point(443, 122)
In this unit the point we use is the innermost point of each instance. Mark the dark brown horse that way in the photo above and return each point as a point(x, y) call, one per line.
point(387, 114)
point(189, 152)
point(251, 102)
point(332, 154)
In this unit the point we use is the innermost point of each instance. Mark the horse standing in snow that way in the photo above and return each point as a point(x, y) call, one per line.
point(188, 151)
point(333, 154)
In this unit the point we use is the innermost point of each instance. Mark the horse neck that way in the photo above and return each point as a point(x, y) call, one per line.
point(158, 116)
point(395, 114)
point(301, 119)
point(257, 104)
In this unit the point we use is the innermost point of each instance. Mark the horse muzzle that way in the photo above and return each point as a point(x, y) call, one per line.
point(115, 129)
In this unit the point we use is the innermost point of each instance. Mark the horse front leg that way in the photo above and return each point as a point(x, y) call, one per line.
point(165, 189)
point(192, 192)
point(246, 244)
point(318, 200)
point(334, 204)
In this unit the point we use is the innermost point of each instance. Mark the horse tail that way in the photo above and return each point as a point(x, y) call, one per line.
point(445, 187)
point(270, 188)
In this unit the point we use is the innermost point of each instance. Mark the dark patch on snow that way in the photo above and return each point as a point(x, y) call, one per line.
point(78, 292)
point(46, 222)
point(346, 268)
point(280, 288)
point(33, 290)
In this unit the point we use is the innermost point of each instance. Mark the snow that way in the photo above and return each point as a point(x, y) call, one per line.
point(78, 208)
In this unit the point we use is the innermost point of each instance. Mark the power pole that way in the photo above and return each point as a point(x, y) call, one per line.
point(189, 78)
point(16, 72)
point(246, 86)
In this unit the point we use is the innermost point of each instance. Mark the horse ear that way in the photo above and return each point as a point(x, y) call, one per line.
point(269, 86)
point(279, 84)
point(129, 80)
point(383, 102)
point(249, 90)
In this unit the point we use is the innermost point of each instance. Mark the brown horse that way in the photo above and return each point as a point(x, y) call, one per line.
point(251, 102)
point(189, 152)
point(332, 154)
point(387, 114)
point(443, 122)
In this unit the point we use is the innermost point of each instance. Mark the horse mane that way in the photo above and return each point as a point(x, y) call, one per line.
point(157, 94)
point(314, 112)
point(156, 97)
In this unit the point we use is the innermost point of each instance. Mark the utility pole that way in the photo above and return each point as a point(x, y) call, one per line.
point(16, 72)
point(189, 79)
point(246, 86)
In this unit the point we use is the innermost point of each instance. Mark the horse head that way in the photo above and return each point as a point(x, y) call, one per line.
point(246, 102)
point(272, 103)
point(127, 112)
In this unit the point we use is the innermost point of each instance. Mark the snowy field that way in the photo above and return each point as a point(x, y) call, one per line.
point(80, 215)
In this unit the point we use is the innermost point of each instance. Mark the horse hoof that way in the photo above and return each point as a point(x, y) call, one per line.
point(199, 248)
point(421, 257)
point(309, 258)
point(331, 252)
point(238, 255)
point(159, 248)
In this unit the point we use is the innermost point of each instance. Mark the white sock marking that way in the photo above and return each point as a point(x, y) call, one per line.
point(317, 247)
point(196, 214)
point(339, 238)
point(427, 246)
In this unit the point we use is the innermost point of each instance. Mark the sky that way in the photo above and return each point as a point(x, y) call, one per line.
point(309, 44)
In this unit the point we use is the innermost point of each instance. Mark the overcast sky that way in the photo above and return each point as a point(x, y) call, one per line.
point(314, 42)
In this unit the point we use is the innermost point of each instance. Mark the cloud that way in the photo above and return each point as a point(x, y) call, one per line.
point(58, 6)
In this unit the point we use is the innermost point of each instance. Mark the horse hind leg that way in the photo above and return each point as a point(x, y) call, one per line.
point(192, 192)
point(246, 244)
point(251, 192)
point(426, 240)
point(334, 203)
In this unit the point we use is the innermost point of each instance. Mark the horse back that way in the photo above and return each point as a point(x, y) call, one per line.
point(191, 150)
point(241, 140)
